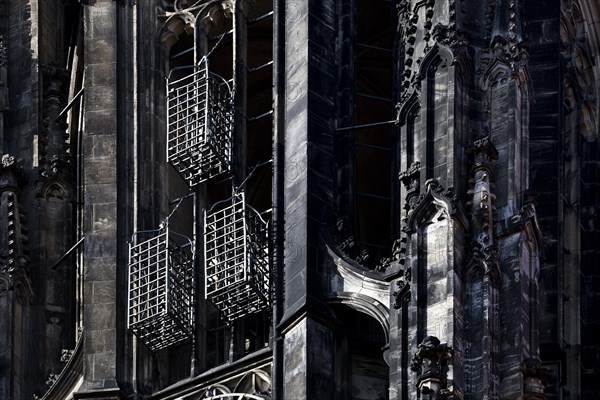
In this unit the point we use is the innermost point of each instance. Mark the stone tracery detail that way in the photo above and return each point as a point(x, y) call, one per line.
point(256, 383)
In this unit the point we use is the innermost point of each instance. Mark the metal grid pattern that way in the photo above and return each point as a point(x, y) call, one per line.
point(236, 258)
point(161, 289)
point(200, 125)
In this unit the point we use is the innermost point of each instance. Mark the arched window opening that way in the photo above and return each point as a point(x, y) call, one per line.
point(366, 154)
point(361, 371)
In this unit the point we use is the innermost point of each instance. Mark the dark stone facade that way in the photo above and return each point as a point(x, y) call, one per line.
point(426, 173)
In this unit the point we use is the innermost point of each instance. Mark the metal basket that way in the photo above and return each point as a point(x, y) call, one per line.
point(200, 125)
point(161, 288)
point(236, 258)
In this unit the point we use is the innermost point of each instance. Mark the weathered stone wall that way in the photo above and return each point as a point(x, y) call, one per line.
point(309, 75)
point(106, 196)
point(481, 294)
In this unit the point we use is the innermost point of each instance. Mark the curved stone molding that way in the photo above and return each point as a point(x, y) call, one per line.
point(71, 376)
point(174, 26)
point(438, 54)
point(253, 384)
point(357, 280)
point(366, 305)
point(409, 104)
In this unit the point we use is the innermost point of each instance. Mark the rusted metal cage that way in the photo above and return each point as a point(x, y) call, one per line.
point(236, 258)
point(161, 287)
point(200, 124)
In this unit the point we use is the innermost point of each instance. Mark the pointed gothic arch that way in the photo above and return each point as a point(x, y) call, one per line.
point(438, 55)
point(434, 200)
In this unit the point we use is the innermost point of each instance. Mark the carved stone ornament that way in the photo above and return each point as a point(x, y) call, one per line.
point(445, 35)
point(52, 378)
point(418, 206)
point(53, 148)
point(65, 355)
point(482, 151)
point(403, 294)
point(484, 252)
point(535, 379)
point(505, 30)
point(12, 175)
point(410, 177)
point(430, 363)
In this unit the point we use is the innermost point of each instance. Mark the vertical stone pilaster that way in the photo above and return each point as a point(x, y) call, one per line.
point(309, 61)
point(100, 146)
point(481, 277)
point(504, 84)
point(308, 361)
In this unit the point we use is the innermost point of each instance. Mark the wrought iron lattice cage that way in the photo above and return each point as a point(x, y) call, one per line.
point(236, 258)
point(200, 124)
point(161, 288)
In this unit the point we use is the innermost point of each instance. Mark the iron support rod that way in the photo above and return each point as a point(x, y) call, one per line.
point(68, 253)
point(370, 96)
point(68, 106)
point(260, 17)
point(178, 199)
point(181, 53)
point(252, 119)
point(372, 196)
point(259, 67)
point(218, 37)
point(368, 46)
point(372, 125)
